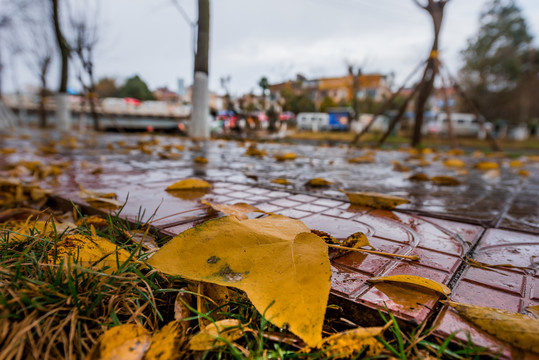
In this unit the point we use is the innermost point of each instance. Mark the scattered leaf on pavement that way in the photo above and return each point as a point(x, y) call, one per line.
point(362, 160)
point(533, 310)
point(487, 165)
point(285, 156)
point(189, 184)
point(318, 182)
point(519, 330)
point(454, 163)
point(419, 177)
point(280, 181)
point(415, 280)
point(200, 160)
point(283, 268)
point(375, 200)
point(445, 180)
point(357, 240)
point(239, 210)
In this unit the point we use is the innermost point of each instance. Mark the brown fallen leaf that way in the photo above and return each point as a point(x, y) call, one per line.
point(375, 200)
point(283, 268)
point(419, 177)
point(519, 330)
point(444, 180)
point(415, 280)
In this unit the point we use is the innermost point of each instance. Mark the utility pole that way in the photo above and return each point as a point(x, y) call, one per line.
point(200, 126)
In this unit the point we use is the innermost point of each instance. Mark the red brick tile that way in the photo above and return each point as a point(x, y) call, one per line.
point(508, 281)
point(327, 202)
point(302, 198)
point(339, 228)
point(311, 208)
point(477, 294)
point(294, 214)
point(345, 282)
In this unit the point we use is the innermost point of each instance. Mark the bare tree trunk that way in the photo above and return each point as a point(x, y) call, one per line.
point(436, 11)
point(63, 117)
point(43, 93)
point(200, 126)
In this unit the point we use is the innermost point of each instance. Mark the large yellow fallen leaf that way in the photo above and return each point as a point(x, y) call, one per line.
point(519, 330)
point(189, 184)
point(415, 280)
point(352, 343)
point(216, 334)
point(283, 268)
point(125, 342)
point(375, 200)
point(90, 251)
point(239, 210)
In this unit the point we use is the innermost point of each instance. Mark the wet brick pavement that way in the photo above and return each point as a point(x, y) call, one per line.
point(492, 217)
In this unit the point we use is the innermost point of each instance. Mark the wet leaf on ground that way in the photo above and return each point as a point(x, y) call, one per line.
point(189, 184)
point(350, 343)
point(239, 210)
point(445, 180)
point(414, 280)
point(519, 330)
point(375, 200)
point(318, 182)
point(216, 334)
point(286, 156)
point(283, 268)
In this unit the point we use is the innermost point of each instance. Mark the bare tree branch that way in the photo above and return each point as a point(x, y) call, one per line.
point(419, 4)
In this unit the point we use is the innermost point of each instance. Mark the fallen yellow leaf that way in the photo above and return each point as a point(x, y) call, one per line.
point(189, 184)
point(357, 240)
point(216, 334)
point(419, 177)
point(283, 268)
point(375, 200)
point(523, 172)
point(280, 181)
point(487, 165)
point(125, 342)
point(350, 343)
point(444, 180)
point(519, 330)
point(362, 160)
point(167, 343)
point(415, 280)
point(239, 210)
point(454, 163)
point(200, 160)
point(318, 182)
point(90, 251)
point(455, 152)
point(285, 156)
point(516, 163)
point(533, 310)
point(254, 151)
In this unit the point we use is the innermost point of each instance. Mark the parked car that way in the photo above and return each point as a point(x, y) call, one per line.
point(462, 125)
point(313, 121)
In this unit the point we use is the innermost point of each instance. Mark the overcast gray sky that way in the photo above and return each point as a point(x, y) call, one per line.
point(278, 38)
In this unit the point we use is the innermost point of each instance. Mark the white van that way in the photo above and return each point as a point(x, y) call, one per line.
point(313, 121)
point(462, 124)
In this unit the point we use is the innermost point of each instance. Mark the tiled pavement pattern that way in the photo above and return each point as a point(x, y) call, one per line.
point(493, 220)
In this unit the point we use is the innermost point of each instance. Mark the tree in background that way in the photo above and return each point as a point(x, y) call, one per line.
point(63, 115)
point(297, 103)
point(136, 88)
point(106, 87)
point(500, 63)
point(84, 40)
point(264, 86)
point(327, 102)
point(40, 50)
